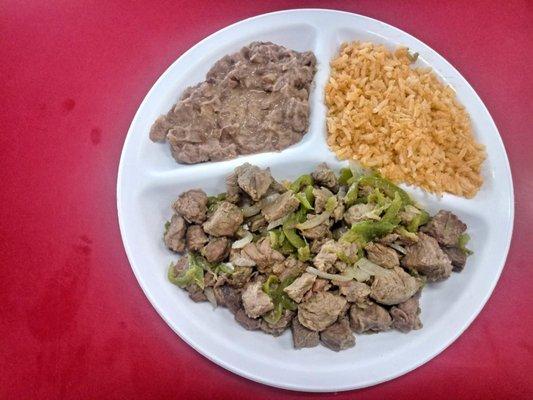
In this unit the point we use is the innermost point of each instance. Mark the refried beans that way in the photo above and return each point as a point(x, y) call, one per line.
point(252, 101)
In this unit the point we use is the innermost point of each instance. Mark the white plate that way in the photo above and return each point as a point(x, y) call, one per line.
point(149, 180)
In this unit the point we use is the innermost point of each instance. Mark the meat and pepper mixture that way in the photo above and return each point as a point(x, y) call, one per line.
point(325, 256)
point(252, 101)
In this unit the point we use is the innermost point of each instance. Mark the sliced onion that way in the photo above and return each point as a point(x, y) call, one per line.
point(277, 222)
point(250, 211)
point(398, 248)
point(325, 275)
point(371, 268)
point(315, 221)
point(239, 244)
point(210, 294)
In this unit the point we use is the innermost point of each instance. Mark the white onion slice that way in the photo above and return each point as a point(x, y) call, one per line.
point(315, 221)
point(239, 244)
point(325, 275)
point(277, 222)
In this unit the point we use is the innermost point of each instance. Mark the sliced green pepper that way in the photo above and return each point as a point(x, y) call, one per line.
point(344, 175)
point(331, 204)
point(391, 215)
point(418, 220)
point(462, 242)
point(293, 238)
point(304, 253)
point(302, 181)
point(309, 194)
point(167, 225)
point(274, 288)
point(274, 315)
point(366, 231)
point(386, 186)
point(302, 198)
point(351, 195)
point(212, 200)
point(193, 274)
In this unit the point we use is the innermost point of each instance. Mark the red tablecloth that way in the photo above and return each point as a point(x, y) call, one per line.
point(74, 322)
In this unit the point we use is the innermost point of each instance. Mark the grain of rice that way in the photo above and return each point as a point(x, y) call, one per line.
point(400, 120)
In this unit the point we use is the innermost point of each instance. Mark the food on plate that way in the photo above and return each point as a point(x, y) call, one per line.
point(325, 255)
point(252, 101)
point(401, 121)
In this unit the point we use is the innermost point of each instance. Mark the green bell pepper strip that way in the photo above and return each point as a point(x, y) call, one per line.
point(351, 196)
point(331, 204)
point(302, 198)
point(293, 238)
point(366, 231)
point(304, 253)
point(309, 194)
point(386, 186)
point(193, 274)
point(274, 289)
point(417, 221)
point(391, 215)
point(344, 175)
point(304, 180)
point(462, 242)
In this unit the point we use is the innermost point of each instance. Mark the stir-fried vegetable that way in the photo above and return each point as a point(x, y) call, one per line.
point(302, 181)
point(344, 176)
point(366, 231)
point(309, 194)
point(391, 215)
point(213, 201)
point(462, 242)
point(314, 221)
point(331, 204)
point(304, 253)
point(274, 288)
point(386, 186)
point(417, 221)
point(167, 225)
point(193, 274)
point(351, 195)
point(304, 201)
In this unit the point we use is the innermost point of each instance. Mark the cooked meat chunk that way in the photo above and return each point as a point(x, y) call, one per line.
point(317, 244)
point(196, 238)
point(382, 255)
point(389, 239)
point(320, 310)
point(240, 276)
point(195, 293)
point(216, 250)
point(253, 180)
point(257, 222)
point(338, 336)
point(158, 132)
point(175, 235)
point(324, 176)
point(279, 327)
point(456, 256)
point(262, 254)
point(445, 227)
point(228, 297)
point(405, 316)
point(321, 197)
point(192, 205)
point(357, 213)
point(427, 258)
point(319, 231)
point(393, 287)
point(225, 220)
point(280, 207)
point(300, 286)
point(255, 301)
point(320, 285)
point(369, 317)
point(238, 259)
point(232, 188)
point(355, 292)
point(303, 337)
point(293, 268)
point(181, 265)
point(246, 322)
point(277, 187)
point(332, 251)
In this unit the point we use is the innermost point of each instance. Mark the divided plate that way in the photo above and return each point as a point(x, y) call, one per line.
point(149, 180)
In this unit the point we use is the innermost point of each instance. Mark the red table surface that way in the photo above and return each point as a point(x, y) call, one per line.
point(74, 321)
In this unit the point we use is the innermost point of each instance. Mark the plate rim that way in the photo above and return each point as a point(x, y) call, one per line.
point(257, 378)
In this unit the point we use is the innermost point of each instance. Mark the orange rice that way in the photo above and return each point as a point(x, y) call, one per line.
point(401, 121)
